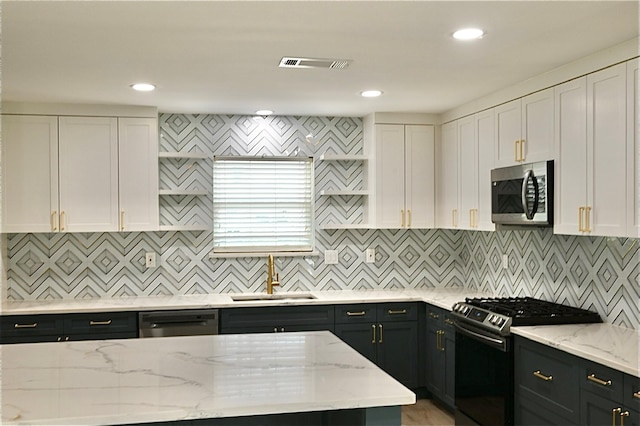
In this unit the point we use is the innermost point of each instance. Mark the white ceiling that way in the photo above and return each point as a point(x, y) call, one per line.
point(222, 57)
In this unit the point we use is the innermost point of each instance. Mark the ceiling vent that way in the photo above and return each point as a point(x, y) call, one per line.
point(288, 62)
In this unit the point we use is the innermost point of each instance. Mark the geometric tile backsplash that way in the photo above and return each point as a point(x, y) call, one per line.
point(591, 272)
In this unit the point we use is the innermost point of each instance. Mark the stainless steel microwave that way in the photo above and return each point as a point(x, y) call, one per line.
point(523, 194)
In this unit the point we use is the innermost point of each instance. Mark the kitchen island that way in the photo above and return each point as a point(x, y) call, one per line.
point(224, 377)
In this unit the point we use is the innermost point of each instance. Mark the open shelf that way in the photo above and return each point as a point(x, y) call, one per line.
point(194, 192)
point(342, 157)
point(335, 192)
point(190, 155)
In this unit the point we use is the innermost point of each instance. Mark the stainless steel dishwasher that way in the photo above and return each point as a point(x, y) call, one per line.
point(188, 322)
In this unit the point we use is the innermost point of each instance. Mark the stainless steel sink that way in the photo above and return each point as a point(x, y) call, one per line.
point(276, 296)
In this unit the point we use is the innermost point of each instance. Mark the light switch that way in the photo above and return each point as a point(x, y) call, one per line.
point(331, 257)
point(150, 260)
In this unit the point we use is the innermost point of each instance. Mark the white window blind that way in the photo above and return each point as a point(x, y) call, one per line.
point(262, 204)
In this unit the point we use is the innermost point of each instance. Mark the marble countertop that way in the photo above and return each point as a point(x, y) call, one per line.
point(607, 344)
point(177, 378)
point(443, 297)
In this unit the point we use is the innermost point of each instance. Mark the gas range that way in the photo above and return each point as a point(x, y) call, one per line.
point(497, 315)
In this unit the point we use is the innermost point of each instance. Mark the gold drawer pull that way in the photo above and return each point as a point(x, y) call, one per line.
point(434, 316)
point(594, 379)
point(380, 329)
point(373, 333)
point(636, 395)
point(448, 321)
point(622, 416)
point(355, 314)
point(108, 322)
point(539, 375)
point(400, 312)
point(34, 325)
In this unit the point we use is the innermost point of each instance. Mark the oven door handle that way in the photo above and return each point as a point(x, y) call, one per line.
point(495, 342)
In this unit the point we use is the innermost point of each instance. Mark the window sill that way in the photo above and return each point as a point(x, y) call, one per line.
point(315, 253)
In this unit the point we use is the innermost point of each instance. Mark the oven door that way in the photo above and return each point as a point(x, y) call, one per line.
point(483, 376)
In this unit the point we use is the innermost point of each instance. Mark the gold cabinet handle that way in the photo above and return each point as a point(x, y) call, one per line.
point(399, 312)
point(594, 379)
point(54, 220)
point(522, 150)
point(636, 395)
point(613, 415)
point(587, 219)
point(380, 327)
point(454, 218)
point(107, 322)
point(402, 218)
point(438, 340)
point(63, 220)
point(355, 314)
point(622, 416)
point(515, 154)
point(448, 321)
point(408, 218)
point(122, 220)
point(373, 333)
point(580, 222)
point(539, 375)
point(34, 325)
point(434, 316)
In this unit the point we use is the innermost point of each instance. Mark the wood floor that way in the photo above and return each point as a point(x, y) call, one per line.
point(426, 412)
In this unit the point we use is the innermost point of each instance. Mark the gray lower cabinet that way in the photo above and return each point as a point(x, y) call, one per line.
point(553, 387)
point(385, 333)
point(608, 396)
point(546, 385)
point(441, 359)
point(272, 319)
point(65, 327)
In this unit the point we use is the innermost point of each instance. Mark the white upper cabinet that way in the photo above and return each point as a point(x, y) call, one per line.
point(447, 178)
point(404, 196)
point(484, 134)
point(138, 173)
point(633, 148)
point(524, 130)
point(30, 173)
point(79, 174)
point(88, 174)
point(468, 168)
point(591, 154)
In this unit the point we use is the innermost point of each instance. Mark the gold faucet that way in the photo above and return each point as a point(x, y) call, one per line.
point(271, 273)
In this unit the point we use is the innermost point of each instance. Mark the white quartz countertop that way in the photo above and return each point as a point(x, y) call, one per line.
point(443, 297)
point(607, 344)
point(178, 378)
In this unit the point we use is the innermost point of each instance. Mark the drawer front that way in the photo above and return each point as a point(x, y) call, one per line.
point(101, 323)
point(632, 392)
point(280, 316)
point(448, 322)
point(602, 381)
point(548, 377)
point(350, 314)
point(31, 325)
point(398, 312)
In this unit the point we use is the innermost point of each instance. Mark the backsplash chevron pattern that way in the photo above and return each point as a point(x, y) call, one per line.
point(596, 273)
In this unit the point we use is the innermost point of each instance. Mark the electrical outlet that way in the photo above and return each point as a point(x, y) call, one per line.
point(505, 261)
point(370, 255)
point(150, 260)
point(331, 257)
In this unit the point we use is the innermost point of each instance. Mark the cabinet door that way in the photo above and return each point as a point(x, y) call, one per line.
point(88, 174)
point(30, 173)
point(435, 359)
point(468, 166)
point(484, 131)
point(419, 177)
point(447, 177)
point(537, 126)
point(138, 172)
point(571, 155)
point(507, 131)
point(398, 351)
point(633, 148)
point(361, 337)
point(389, 175)
point(596, 410)
point(606, 157)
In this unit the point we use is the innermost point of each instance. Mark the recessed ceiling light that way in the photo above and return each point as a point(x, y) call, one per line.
point(143, 87)
point(468, 34)
point(264, 112)
point(371, 93)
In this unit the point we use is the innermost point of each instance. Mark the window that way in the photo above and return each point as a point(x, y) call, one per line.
point(262, 204)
